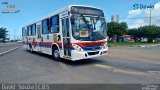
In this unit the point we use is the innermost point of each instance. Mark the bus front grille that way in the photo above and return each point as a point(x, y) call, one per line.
point(91, 48)
point(93, 53)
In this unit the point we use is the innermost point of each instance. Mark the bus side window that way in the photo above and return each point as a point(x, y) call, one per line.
point(33, 29)
point(38, 31)
point(29, 33)
point(54, 24)
point(30, 30)
point(23, 32)
point(45, 26)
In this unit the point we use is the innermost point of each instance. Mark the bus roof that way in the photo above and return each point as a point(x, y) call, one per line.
point(59, 11)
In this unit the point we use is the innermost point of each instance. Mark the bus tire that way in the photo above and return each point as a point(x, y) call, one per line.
point(56, 54)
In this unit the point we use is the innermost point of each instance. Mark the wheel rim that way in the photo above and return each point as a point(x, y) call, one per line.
point(56, 54)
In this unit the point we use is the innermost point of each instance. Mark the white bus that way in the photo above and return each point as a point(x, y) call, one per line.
point(75, 32)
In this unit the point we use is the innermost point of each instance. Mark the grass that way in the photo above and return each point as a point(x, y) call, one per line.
point(129, 44)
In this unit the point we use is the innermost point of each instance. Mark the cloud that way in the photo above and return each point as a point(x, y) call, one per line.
point(137, 22)
point(133, 13)
point(157, 5)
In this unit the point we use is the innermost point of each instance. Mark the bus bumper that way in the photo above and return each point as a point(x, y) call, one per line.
point(77, 55)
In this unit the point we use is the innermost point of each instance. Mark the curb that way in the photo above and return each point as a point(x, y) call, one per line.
point(8, 51)
point(152, 45)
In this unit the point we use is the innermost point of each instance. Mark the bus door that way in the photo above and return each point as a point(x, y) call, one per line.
point(66, 36)
point(39, 36)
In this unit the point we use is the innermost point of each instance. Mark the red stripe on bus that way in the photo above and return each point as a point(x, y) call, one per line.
point(46, 43)
point(81, 44)
point(84, 44)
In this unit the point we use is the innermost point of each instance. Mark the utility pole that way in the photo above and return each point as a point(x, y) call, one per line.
point(150, 18)
point(14, 34)
point(9, 36)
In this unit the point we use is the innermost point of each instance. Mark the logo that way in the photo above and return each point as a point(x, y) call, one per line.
point(93, 49)
point(9, 8)
point(141, 6)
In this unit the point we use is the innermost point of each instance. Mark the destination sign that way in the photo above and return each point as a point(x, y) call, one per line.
point(86, 11)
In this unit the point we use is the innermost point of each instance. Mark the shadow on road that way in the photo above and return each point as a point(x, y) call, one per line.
point(40, 54)
point(82, 62)
point(69, 62)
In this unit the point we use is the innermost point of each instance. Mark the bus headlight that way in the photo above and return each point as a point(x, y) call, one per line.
point(76, 47)
point(105, 46)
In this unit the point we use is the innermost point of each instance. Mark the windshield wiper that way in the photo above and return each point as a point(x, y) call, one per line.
point(91, 30)
point(97, 19)
point(95, 22)
point(85, 21)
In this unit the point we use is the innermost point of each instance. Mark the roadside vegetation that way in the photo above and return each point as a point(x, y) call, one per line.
point(149, 34)
point(129, 44)
point(3, 34)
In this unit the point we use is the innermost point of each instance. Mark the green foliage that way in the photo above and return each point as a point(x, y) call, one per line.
point(136, 33)
point(130, 44)
point(149, 32)
point(3, 34)
point(115, 28)
point(118, 29)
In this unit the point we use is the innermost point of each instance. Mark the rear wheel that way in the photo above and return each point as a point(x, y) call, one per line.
point(56, 55)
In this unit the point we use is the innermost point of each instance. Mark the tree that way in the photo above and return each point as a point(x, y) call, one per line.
point(3, 34)
point(124, 27)
point(136, 33)
point(118, 29)
point(150, 32)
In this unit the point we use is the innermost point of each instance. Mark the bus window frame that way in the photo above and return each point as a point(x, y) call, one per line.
point(29, 32)
point(48, 26)
point(33, 33)
point(23, 32)
point(57, 26)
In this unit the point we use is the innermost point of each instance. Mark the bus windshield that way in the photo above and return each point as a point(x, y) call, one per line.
point(88, 28)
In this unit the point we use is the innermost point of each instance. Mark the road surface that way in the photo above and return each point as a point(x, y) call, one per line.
point(122, 66)
point(7, 46)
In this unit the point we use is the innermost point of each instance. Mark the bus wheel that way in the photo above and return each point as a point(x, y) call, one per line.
point(56, 55)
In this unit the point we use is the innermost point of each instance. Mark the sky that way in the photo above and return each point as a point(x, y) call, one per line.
point(31, 10)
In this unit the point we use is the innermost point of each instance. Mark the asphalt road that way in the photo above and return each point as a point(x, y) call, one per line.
point(119, 67)
point(7, 46)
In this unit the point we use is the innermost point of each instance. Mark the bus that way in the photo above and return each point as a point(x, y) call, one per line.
point(75, 32)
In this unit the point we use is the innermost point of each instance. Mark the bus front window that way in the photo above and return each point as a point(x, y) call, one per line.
point(88, 28)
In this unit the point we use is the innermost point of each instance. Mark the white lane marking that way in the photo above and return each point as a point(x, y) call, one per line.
point(131, 72)
point(154, 73)
point(103, 66)
point(118, 70)
point(8, 51)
